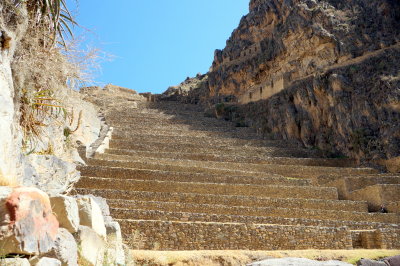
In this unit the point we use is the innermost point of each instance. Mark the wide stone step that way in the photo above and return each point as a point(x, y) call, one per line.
point(166, 215)
point(125, 199)
point(273, 191)
point(293, 171)
point(166, 173)
point(167, 235)
point(249, 167)
point(152, 137)
point(198, 148)
point(177, 127)
point(133, 131)
point(346, 184)
point(262, 211)
point(151, 123)
point(227, 158)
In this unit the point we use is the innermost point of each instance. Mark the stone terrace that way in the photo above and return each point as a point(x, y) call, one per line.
point(177, 180)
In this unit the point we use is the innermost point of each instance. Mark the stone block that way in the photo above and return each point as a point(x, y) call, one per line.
point(91, 246)
point(14, 262)
point(115, 251)
point(91, 215)
point(66, 249)
point(67, 212)
point(27, 224)
point(48, 262)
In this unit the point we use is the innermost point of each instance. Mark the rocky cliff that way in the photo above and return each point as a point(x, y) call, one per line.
point(41, 118)
point(320, 72)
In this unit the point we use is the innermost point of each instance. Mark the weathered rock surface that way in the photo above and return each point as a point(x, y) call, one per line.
point(115, 250)
point(325, 72)
point(298, 262)
point(67, 212)
point(15, 262)
point(48, 262)
point(91, 246)
point(90, 215)
point(65, 248)
point(28, 225)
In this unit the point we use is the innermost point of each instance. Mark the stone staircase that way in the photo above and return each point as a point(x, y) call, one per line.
point(177, 180)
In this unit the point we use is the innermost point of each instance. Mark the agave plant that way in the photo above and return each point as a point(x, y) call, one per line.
point(52, 13)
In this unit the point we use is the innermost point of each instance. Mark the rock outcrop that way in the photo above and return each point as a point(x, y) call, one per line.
point(29, 228)
point(323, 73)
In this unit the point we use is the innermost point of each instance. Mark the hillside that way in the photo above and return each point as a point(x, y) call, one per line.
point(323, 73)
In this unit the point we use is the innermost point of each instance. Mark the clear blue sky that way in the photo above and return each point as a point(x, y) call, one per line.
point(156, 44)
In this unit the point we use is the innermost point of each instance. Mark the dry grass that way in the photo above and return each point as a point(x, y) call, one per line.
point(238, 257)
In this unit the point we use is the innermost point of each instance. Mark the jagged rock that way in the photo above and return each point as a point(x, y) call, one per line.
point(91, 246)
point(323, 73)
point(65, 249)
point(298, 262)
point(14, 262)
point(368, 262)
point(115, 251)
point(91, 215)
point(47, 262)
point(393, 261)
point(67, 212)
point(27, 224)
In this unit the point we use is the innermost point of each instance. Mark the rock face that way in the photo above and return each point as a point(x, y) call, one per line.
point(292, 39)
point(90, 215)
point(28, 225)
point(67, 212)
point(320, 72)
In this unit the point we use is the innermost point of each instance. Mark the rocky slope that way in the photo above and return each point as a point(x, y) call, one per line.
point(320, 72)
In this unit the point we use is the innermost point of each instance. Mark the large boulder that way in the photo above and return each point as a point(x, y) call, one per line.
point(65, 249)
point(27, 224)
point(91, 246)
point(91, 215)
point(67, 212)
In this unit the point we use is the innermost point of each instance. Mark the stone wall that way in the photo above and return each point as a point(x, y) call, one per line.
point(377, 195)
point(161, 235)
point(65, 230)
point(266, 89)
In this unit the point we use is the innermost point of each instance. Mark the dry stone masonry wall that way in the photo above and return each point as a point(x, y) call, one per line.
point(168, 197)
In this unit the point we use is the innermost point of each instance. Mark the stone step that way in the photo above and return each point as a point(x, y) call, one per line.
point(110, 169)
point(227, 158)
point(167, 215)
point(248, 166)
point(124, 198)
point(347, 184)
point(293, 171)
point(273, 191)
point(201, 142)
point(258, 211)
point(377, 195)
point(152, 137)
point(133, 131)
point(178, 127)
point(172, 235)
point(198, 148)
point(151, 123)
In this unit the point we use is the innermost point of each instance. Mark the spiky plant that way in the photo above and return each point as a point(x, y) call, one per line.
point(53, 15)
